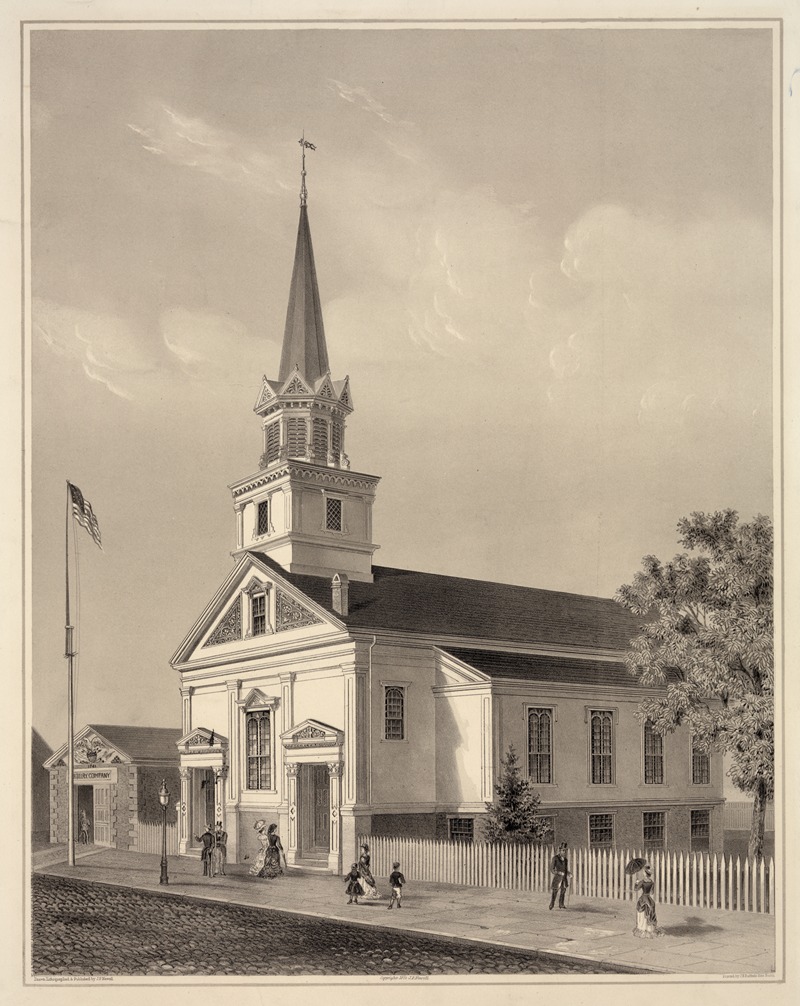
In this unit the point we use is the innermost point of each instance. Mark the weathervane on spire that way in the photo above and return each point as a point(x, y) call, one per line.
point(304, 144)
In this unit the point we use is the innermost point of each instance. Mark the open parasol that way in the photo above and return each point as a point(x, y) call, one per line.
point(635, 865)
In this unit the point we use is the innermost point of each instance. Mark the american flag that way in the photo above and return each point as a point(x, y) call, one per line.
point(83, 513)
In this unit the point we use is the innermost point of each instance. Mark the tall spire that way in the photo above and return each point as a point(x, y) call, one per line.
point(304, 335)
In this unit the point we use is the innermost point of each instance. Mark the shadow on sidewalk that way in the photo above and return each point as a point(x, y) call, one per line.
point(693, 927)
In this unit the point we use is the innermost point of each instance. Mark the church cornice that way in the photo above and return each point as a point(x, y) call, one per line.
point(334, 477)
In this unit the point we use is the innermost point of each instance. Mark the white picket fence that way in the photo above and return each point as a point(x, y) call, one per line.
point(738, 816)
point(697, 880)
point(151, 838)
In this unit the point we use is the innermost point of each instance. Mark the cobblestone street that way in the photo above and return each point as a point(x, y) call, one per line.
point(88, 929)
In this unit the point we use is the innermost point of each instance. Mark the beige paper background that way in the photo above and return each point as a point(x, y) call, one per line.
point(15, 405)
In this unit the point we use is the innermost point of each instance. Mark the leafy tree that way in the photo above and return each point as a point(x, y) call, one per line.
point(512, 816)
point(708, 637)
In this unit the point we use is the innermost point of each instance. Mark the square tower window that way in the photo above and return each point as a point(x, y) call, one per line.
point(262, 522)
point(333, 515)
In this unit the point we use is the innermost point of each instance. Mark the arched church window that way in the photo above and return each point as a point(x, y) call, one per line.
point(259, 749)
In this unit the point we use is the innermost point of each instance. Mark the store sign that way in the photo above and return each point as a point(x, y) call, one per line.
point(95, 774)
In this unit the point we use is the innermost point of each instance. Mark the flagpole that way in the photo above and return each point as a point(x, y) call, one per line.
point(69, 654)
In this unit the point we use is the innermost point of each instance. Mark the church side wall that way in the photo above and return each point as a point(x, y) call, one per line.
point(403, 772)
point(572, 797)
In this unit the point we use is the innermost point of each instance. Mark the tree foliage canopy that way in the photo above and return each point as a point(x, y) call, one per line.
point(707, 637)
point(512, 816)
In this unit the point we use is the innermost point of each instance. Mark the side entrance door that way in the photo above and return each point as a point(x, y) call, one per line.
point(322, 799)
point(102, 815)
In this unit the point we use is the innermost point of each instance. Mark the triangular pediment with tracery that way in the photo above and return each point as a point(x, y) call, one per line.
point(266, 395)
point(295, 385)
point(325, 388)
point(342, 389)
point(312, 733)
point(228, 627)
point(90, 748)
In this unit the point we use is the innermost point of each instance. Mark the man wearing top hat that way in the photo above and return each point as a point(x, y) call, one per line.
point(207, 838)
point(560, 870)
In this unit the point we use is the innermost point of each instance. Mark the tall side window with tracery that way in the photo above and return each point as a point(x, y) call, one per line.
point(394, 713)
point(258, 728)
point(653, 755)
point(601, 739)
point(540, 745)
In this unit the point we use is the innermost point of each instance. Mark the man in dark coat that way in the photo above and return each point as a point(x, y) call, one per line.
point(560, 870)
point(207, 838)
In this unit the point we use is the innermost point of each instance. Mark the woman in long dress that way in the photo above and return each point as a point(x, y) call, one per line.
point(368, 885)
point(258, 865)
point(647, 927)
point(272, 854)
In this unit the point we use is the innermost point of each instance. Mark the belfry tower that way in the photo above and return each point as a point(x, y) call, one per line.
point(305, 508)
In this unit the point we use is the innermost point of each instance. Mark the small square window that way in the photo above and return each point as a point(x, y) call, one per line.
point(601, 831)
point(462, 829)
point(700, 830)
point(653, 829)
point(333, 515)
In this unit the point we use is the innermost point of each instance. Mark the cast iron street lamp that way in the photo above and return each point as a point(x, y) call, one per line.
point(163, 796)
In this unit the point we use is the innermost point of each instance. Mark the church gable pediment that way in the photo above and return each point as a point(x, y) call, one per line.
point(202, 739)
point(228, 624)
point(312, 733)
point(90, 748)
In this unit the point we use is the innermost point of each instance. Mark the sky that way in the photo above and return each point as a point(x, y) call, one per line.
point(545, 262)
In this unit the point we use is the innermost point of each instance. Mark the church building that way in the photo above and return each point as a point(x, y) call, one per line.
point(338, 698)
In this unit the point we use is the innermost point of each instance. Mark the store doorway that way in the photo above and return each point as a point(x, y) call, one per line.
point(315, 800)
point(84, 815)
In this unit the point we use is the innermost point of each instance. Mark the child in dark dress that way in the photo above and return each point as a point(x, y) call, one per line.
point(353, 887)
point(396, 881)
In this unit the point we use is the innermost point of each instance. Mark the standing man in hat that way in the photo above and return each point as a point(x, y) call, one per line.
point(560, 870)
point(207, 838)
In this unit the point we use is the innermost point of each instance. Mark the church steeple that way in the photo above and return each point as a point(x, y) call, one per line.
point(305, 508)
point(304, 335)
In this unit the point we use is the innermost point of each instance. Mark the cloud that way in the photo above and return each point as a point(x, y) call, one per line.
point(363, 99)
point(192, 142)
point(214, 348)
point(187, 349)
point(109, 348)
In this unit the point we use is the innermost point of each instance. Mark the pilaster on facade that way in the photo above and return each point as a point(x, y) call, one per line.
point(292, 770)
point(334, 853)
point(488, 753)
point(355, 734)
point(186, 708)
point(183, 811)
point(234, 749)
point(239, 511)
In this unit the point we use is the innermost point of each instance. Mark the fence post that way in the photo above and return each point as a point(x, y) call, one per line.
point(746, 885)
point(770, 908)
point(762, 886)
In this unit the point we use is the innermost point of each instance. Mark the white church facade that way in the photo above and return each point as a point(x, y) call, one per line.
point(339, 698)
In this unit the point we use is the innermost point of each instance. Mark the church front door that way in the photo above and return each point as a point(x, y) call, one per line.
point(315, 811)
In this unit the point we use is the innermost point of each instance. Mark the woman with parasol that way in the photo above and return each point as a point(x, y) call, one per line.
point(647, 927)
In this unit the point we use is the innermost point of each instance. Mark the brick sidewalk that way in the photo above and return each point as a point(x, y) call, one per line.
point(697, 941)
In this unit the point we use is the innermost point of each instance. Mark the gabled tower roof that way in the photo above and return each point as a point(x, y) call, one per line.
point(304, 336)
